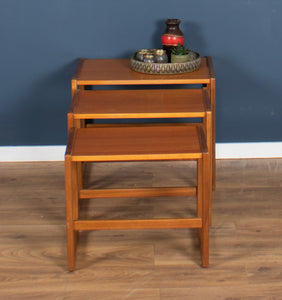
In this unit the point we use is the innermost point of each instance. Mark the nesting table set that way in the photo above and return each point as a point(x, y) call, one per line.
point(169, 97)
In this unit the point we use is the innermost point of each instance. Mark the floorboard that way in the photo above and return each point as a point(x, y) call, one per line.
point(246, 235)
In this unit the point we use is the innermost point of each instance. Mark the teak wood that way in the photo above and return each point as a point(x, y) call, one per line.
point(117, 72)
point(140, 142)
point(135, 143)
point(128, 104)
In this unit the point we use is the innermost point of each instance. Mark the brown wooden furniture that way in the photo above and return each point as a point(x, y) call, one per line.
point(114, 142)
point(117, 72)
point(136, 143)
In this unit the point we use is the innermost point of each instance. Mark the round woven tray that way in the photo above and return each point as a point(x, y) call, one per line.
point(167, 68)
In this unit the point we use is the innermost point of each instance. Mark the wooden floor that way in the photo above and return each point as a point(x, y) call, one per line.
point(246, 236)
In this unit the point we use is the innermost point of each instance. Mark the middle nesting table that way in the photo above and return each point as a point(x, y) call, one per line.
point(136, 104)
point(139, 104)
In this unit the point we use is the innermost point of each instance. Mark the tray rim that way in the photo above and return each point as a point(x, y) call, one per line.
point(166, 68)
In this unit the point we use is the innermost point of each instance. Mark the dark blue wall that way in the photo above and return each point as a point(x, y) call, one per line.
point(41, 41)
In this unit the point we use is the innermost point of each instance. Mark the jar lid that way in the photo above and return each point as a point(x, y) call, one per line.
point(142, 51)
point(149, 55)
point(173, 21)
point(160, 52)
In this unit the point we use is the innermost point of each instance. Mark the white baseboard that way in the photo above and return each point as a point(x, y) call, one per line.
point(249, 150)
point(223, 150)
point(32, 153)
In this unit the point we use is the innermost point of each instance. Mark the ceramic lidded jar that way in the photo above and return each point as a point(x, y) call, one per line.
point(140, 54)
point(161, 56)
point(149, 58)
point(172, 35)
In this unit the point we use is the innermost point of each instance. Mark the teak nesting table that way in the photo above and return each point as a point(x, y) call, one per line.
point(140, 142)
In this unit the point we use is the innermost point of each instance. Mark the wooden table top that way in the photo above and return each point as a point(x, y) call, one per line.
point(109, 104)
point(118, 72)
point(136, 143)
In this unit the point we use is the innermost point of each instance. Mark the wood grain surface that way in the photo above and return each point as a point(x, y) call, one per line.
point(137, 143)
point(118, 72)
point(114, 104)
point(246, 236)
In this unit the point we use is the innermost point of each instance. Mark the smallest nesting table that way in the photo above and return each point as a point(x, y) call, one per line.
point(137, 143)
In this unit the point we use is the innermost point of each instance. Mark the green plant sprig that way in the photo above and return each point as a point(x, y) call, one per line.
point(180, 50)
